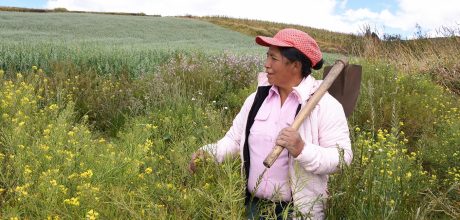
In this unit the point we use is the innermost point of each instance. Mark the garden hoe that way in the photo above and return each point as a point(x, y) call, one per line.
point(343, 82)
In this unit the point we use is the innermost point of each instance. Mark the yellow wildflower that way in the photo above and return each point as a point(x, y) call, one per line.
point(27, 170)
point(56, 217)
point(22, 190)
point(381, 136)
point(72, 201)
point(87, 174)
point(53, 107)
point(92, 215)
point(148, 170)
point(25, 100)
point(63, 189)
point(44, 147)
point(73, 175)
point(408, 175)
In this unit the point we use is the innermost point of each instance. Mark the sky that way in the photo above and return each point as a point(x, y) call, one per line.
point(391, 17)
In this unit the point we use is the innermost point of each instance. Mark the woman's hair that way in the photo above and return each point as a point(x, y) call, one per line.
point(293, 54)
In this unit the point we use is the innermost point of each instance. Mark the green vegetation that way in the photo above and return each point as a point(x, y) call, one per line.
point(101, 123)
point(109, 44)
point(432, 56)
point(18, 9)
point(329, 41)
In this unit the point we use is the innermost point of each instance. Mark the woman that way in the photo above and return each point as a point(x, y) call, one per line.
point(316, 150)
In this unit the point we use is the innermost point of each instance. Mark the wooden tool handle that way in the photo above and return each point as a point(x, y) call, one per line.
point(309, 106)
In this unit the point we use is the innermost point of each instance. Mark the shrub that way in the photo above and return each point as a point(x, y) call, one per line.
point(60, 10)
point(383, 180)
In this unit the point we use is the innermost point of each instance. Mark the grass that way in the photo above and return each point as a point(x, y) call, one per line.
point(431, 56)
point(328, 41)
point(112, 45)
point(92, 129)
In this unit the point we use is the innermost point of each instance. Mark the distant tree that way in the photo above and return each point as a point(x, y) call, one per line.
point(391, 37)
point(60, 10)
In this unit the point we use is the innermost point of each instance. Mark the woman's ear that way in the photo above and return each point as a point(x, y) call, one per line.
point(297, 65)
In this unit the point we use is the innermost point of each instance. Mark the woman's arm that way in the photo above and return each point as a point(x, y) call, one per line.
point(334, 141)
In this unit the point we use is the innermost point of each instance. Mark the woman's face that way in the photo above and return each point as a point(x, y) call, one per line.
point(280, 71)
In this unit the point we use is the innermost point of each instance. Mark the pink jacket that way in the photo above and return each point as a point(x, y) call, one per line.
point(326, 138)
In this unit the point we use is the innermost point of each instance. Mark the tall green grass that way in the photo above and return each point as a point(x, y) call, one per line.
point(51, 148)
point(405, 138)
point(54, 166)
point(430, 56)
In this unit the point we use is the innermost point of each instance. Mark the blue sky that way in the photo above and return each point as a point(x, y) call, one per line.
point(24, 3)
point(349, 16)
point(372, 5)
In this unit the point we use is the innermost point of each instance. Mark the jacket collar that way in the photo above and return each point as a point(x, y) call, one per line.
point(303, 91)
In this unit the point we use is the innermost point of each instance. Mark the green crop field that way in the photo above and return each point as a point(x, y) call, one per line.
point(99, 115)
point(109, 43)
point(122, 32)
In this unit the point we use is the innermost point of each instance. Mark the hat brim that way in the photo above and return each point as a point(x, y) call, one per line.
point(269, 41)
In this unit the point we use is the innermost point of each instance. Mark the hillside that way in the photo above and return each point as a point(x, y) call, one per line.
point(329, 41)
point(113, 40)
point(112, 43)
point(123, 31)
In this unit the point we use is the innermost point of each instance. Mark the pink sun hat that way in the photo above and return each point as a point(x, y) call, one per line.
point(290, 37)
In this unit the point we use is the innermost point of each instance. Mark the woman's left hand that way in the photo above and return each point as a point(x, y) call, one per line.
point(290, 139)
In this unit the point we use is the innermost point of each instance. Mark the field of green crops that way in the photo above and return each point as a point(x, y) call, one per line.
point(99, 115)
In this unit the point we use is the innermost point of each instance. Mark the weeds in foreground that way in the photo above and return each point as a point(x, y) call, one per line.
point(57, 161)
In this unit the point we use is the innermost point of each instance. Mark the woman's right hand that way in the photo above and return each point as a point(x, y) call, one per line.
point(197, 156)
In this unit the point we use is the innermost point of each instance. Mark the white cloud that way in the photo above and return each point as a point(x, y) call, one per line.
point(320, 14)
point(430, 15)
